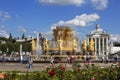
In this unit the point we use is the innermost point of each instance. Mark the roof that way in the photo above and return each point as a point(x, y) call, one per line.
point(98, 32)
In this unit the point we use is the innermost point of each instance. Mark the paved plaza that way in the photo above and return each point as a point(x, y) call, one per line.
point(41, 66)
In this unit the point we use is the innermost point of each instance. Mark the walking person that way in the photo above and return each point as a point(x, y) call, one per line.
point(4, 58)
point(88, 58)
point(30, 63)
point(28, 58)
point(67, 60)
point(116, 58)
point(103, 59)
point(21, 59)
point(52, 61)
point(84, 58)
point(106, 59)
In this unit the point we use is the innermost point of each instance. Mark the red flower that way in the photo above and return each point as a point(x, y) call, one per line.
point(63, 68)
point(78, 57)
point(52, 72)
point(78, 70)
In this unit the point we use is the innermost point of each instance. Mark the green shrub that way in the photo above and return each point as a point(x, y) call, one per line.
point(60, 73)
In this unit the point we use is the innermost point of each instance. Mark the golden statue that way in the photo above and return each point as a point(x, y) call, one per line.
point(60, 42)
point(91, 45)
point(33, 44)
point(74, 44)
point(64, 37)
point(45, 44)
point(65, 33)
point(84, 46)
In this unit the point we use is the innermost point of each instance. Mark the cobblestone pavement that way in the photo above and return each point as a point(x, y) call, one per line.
point(41, 66)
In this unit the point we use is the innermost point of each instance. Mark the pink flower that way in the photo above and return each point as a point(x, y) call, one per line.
point(2, 76)
point(93, 78)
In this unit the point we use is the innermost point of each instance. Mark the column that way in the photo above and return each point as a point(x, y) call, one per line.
point(95, 46)
point(107, 46)
point(99, 46)
point(103, 46)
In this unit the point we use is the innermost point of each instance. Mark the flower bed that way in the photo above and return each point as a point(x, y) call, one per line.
point(60, 73)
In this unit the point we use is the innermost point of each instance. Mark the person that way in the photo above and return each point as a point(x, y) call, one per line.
point(84, 58)
point(116, 58)
point(88, 58)
point(71, 59)
point(21, 59)
point(30, 63)
point(106, 59)
point(4, 58)
point(103, 58)
point(52, 61)
point(28, 58)
point(68, 59)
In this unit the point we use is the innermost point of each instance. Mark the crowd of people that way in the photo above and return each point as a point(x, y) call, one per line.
point(29, 60)
point(69, 59)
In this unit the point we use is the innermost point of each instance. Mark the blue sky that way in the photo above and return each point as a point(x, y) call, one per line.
point(30, 16)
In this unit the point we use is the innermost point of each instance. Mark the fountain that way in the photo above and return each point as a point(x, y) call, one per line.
point(38, 47)
point(59, 42)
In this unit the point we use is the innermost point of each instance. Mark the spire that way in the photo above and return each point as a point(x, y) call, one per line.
point(97, 26)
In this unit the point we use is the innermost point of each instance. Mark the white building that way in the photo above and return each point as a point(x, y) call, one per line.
point(114, 47)
point(101, 42)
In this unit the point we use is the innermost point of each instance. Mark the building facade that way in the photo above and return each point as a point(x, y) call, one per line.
point(101, 42)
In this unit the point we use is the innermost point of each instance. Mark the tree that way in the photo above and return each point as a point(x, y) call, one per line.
point(10, 47)
point(10, 37)
point(3, 48)
point(23, 36)
point(16, 47)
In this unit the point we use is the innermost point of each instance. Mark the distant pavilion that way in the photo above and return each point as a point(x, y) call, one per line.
point(101, 42)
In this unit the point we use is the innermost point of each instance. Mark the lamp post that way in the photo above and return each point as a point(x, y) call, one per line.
point(21, 55)
point(25, 45)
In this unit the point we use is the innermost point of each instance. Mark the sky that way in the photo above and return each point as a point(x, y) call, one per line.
point(39, 16)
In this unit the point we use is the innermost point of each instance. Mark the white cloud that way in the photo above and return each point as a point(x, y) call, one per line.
point(63, 2)
point(21, 29)
point(4, 16)
point(3, 32)
point(115, 38)
point(34, 32)
point(82, 20)
point(99, 4)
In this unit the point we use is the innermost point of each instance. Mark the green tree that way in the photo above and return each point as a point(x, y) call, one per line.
point(16, 47)
point(3, 48)
point(23, 36)
point(10, 37)
point(9, 45)
point(26, 47)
